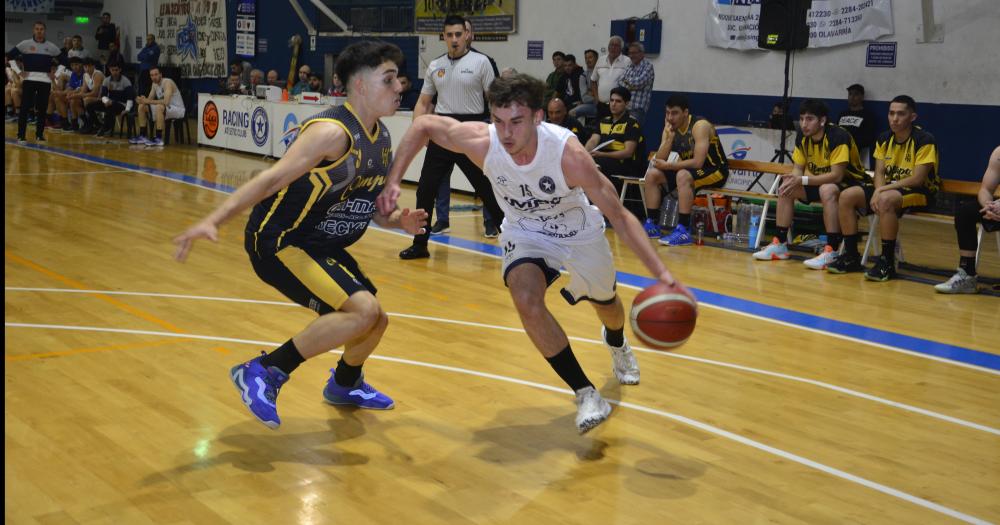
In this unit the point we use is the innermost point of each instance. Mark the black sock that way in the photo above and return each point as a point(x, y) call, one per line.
point(653, 214)
point(833, 239)
point(851, 244)
point(783, 234)
point(286, 358)
point(568, 368)
point(159, 134)
point(968, 264)
point(347, 375)
point(889, 250)
point(615, 338)
point(684, 219)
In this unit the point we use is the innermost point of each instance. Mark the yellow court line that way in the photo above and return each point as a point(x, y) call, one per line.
point(78, 351)
point(80, 286)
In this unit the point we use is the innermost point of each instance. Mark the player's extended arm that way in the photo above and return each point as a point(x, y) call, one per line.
point(469, 138)
point(580, 171)
point(320, 140)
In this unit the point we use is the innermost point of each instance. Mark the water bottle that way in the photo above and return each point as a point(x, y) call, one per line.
point(699, 230)
point(752, 234)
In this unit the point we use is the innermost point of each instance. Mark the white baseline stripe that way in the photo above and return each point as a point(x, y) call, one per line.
point(668, 415)
point(820, 384)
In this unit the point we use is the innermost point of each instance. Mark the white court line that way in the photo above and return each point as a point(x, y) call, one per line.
point(32, 174)
point(750, 315)
point(936, 507)
point(736, 312)
point(820, 384)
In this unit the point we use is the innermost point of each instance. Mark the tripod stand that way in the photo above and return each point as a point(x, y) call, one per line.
point(781, 153)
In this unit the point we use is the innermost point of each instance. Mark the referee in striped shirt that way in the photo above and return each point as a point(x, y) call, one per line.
point(459, 79)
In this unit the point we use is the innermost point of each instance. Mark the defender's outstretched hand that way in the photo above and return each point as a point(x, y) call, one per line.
point(413, 221)
point(184, 241)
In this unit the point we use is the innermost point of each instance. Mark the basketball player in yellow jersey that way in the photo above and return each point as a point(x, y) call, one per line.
point(310, 206)
point(906, 178)
point(546, 181)
point(826, 163)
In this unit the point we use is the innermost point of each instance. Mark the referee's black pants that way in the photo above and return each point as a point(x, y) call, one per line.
point(438, 164)
point(33, 94)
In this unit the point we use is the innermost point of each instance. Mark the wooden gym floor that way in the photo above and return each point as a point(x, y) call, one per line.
point(802, 397)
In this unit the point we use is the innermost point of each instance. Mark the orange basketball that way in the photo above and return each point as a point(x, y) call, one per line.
point(663, 316)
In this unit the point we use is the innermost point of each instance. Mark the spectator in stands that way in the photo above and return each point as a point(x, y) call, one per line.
point(408, 98)
point(117, 95)
point(273, 80)
point(826, 163)
point(316, 83)
point(984, 209)
point(620, 156)
point(573, 83)
point(508, 72)
point(242, 68)
point(552, 81)
point(303, 83)
point(701, 164)
point(256, 79)
point(906, 179)
point(780, 118)
point(149, 57)
point(89, 92)
point(607, 71)
point(233, 86)
point(107, 33)
point(164, 101)
point(38, 56)
point(114, 57)
point(638, 79)
point(64, 51)
point(77, 49)
point(587, 107)
point(860, 122)
point(557, 114)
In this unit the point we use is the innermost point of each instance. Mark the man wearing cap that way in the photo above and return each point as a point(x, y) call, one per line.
point(859, 121)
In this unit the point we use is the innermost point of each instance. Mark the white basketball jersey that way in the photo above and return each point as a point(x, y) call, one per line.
point(535, 198)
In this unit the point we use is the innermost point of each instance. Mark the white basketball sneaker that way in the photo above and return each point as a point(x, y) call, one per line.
point(591, 409)
point(623, 361)
point(824, 259)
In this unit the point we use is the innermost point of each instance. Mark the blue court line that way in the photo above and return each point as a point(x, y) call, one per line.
point(864, 333)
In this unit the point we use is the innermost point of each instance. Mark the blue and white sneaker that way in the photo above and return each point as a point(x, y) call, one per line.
point(140, 140)
point(776, 251)
point(362, 395)
point(679, 237)
point(259, 388)
point(652, 229)
point(154, 143)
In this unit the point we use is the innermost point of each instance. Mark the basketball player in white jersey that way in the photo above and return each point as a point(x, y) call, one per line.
point(543, 177)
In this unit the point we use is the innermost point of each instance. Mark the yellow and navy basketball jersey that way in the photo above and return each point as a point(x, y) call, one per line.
point(836, 146)
point(684, 145)
point(901, 158)
point(621, 131)
point(331, 205)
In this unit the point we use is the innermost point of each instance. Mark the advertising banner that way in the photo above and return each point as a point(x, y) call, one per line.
point(192, 36)
point(732, 24)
